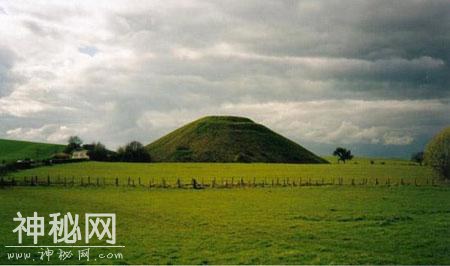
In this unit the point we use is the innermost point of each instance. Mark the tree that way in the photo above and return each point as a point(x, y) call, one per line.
point(98, 152)
point(437, 153)
point(417, 157)
point(74, 143)
point(343, 154)
point(133, 152)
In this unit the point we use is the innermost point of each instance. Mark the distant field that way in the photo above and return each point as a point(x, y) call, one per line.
point(308, 225)
point(11, 150)
point(368, 160)
point(358, 170)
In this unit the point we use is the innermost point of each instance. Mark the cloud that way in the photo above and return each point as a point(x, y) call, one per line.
point(390, 139)
point(372, 75)
point(47, 133)
point(8, 78)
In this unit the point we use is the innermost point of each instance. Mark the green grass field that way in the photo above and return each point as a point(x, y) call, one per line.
point(282, 225)
point(11, 150)
point(358, 170)
point(308, 225)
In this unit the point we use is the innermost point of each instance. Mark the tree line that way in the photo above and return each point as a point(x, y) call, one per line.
point(133, 151)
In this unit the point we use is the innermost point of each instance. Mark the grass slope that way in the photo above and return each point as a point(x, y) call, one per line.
point(228, 139)
point(310, 225)
point(11, 150)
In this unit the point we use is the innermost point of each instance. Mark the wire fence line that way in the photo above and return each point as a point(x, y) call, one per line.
point(203, 183)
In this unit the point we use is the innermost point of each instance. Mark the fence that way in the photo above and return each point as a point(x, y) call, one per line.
point(199, 183)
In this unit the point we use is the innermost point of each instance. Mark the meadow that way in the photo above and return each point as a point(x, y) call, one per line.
point(360, 169)
point(308, 225)
point(11, 150)
point(331, 224)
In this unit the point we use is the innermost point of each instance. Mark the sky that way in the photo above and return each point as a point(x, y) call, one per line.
point(372, 76)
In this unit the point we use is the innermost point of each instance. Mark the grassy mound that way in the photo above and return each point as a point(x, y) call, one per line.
point(228, 139)
point(11, 150)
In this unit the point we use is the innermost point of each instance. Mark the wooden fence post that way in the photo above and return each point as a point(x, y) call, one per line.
point(178, 183)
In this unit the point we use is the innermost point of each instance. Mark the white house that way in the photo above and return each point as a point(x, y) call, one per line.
point(80, 155)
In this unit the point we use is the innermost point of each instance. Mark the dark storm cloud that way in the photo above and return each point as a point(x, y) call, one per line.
point(400, 44)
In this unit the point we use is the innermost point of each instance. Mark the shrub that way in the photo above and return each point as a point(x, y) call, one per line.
point(98, 152)
point(437, 153)
point(417, 157)
point(133, 152)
